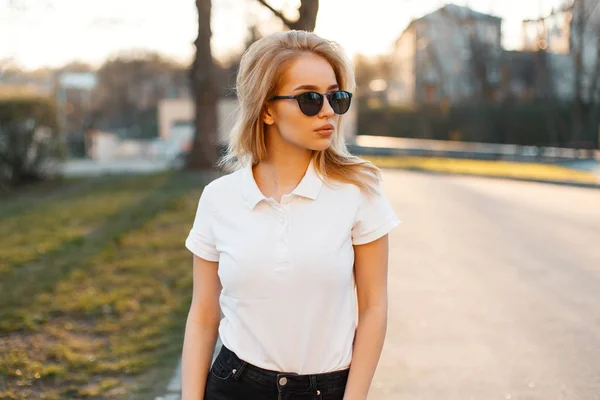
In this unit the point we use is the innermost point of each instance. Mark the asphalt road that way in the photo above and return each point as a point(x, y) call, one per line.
point(494, 291)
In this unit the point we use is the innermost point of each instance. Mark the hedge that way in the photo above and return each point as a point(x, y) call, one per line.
point(527, 124)
point(29, 140)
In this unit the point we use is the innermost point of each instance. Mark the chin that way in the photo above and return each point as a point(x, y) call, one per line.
point(320, 146)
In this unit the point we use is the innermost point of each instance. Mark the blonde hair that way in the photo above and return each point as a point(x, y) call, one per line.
point(260, 72)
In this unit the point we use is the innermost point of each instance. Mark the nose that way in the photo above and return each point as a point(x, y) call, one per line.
point(326, 110)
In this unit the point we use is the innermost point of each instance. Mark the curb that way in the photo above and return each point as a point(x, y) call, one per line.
point(507, 177)
point(173, 391)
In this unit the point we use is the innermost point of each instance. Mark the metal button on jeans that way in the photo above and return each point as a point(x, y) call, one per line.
point(283, 381)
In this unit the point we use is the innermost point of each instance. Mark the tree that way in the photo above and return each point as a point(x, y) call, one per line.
point(204, 78)
point(130, 86)
point(579, 67)
point(307, 15)
point(204, 152)
point(585, 37)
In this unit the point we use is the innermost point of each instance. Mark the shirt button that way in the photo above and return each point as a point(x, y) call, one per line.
point(283, 381)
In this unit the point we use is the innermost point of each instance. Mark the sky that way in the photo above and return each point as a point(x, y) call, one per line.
point(53, 32)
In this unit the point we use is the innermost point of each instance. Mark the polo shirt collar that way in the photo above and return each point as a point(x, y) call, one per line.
point(309, 186)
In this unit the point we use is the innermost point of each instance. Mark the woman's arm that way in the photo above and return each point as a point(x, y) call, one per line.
point(201, 330)
point(370, 269)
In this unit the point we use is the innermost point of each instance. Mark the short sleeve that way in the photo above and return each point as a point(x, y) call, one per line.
point(201, 239)
point(374, 218)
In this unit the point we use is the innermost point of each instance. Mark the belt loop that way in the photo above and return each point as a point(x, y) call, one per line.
point(240, 370)
point(313, 382)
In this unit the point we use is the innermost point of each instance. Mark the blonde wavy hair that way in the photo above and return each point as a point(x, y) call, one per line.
point(260, 72)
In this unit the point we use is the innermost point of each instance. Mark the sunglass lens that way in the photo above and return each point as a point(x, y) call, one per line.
point(310, 103)
point(340, 101)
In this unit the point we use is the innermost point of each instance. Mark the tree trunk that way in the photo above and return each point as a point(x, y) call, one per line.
point(577, 113)
point(308, 15)
point(592, 121)
point(204, 152)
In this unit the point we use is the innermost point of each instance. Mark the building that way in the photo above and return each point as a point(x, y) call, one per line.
point(561, 34)
point(550, 33)
point(450, 54)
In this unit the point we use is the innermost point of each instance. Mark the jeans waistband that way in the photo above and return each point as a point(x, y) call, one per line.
point(292, 381)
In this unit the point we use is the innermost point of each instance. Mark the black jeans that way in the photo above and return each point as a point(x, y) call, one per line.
point(231, 378)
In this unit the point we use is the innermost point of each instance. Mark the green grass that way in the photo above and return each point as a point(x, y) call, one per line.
point(103, 317)
point(48, 224)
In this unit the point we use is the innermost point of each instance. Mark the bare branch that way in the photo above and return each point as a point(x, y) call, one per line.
point(278, 14)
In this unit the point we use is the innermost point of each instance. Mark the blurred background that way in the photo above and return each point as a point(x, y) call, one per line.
point(121, 77)
point(113, 113)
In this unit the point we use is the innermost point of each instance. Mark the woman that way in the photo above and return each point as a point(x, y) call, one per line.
point(292, 246)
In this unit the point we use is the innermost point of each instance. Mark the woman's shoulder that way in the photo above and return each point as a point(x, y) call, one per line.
point(366, 187)
point(222, 184)
point(341, 192)
point(355, 177)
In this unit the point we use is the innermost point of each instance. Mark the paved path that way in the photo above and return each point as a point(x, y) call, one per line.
point(494, 291)
point(87, 167)
point(174, 388)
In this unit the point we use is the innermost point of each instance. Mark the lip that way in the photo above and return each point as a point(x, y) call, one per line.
point(325, 129)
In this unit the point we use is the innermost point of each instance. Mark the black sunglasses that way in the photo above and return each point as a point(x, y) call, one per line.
point(310, 103)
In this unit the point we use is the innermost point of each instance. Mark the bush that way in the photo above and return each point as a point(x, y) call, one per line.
point(522, 123)
point(29, 142)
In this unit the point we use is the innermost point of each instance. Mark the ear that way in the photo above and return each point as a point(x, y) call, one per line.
point(267, 115)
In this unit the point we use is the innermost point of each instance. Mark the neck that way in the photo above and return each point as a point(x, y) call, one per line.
point(282, 170)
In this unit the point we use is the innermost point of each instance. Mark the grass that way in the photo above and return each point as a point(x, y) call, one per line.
point(45, 225)
point(101, 316)
point(505, 169)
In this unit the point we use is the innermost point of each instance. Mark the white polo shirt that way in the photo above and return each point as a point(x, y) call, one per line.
point(288, 298)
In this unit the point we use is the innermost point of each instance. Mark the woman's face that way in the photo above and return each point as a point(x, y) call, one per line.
point(307, 73)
